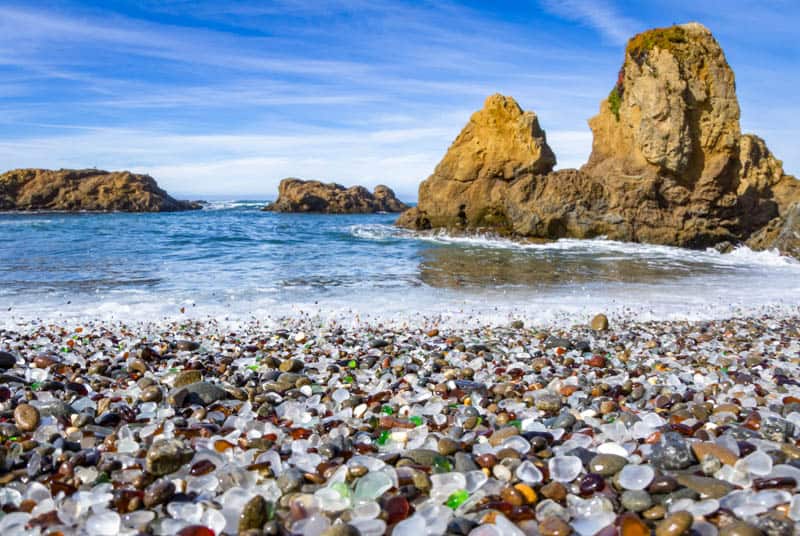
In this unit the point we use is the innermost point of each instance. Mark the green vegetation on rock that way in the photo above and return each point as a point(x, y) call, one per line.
point(664, 38)
point(614, 101)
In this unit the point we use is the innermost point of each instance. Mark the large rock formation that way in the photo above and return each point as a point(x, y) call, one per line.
point(669, 164)
point(500, 143)
point(85, 190)
point(295, 195)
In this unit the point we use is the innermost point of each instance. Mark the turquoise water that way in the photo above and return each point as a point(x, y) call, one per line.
point(232, 260)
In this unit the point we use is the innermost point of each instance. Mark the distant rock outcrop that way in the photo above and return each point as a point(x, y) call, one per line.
point(88, 190)
point(296, 195)
point(669, 164)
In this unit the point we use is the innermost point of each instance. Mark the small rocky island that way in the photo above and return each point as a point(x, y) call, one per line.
point(669, 163)
point(296, 195)
point(85, 190)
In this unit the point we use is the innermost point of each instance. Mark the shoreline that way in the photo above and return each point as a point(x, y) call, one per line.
point(460, 314)
point(313, 426)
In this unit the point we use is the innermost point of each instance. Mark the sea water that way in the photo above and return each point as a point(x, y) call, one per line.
point(232, 261)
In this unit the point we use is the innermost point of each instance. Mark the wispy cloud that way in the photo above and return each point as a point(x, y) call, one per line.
point(601, 15)
point(214, 164)
point(210, 95)
point(246, 164)
point(166, 42)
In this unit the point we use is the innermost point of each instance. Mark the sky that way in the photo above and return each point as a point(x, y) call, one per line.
point(222, 99)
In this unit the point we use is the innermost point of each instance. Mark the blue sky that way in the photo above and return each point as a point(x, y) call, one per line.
point(225, 98)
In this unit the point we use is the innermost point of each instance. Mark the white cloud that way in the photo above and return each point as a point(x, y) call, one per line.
point(172, 43)
point(252, 164)
point(260, 176)
point(601, 15)
point(374, 96)
point(245, 164)
point(572, 147)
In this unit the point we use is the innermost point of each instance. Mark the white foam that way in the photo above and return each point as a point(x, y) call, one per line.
point(423, 306)
point(28, 222)
point(740, 283)
point(233, 204)
point(740, 256)
point(770, 257)
point(380, 232)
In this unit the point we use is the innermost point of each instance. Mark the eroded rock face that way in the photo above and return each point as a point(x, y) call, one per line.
point(669, 164)
point(85, 190)
point(296, 195)
point(782, 233)
point(672, 112)
point(762, 174)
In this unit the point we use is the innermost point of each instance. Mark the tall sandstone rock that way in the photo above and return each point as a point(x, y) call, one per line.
point(469, 187)
point(669, 164)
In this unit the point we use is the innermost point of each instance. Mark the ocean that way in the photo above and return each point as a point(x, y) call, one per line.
point(233, 262)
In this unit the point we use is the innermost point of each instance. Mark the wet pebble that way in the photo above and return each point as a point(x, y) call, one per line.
point(674, 524)
point(554, 526)
point(26, 417)
point(636, 500)
point(7, 360)
point(159, 492)
point(255, 514)
point(166, 456)
point(330, 430)
point(607, 464)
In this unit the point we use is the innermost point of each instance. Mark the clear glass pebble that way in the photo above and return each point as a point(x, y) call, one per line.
point(14, 521)
point(43, 507)
point(772, 497)
point(445, 484)
point(565, 468)
point(702, 508)
point(474, 480)
point(591, 525)
point(141, 518)
point(506, 527)
point(580, 508)
point(436, 517)
point(10, 496)
point(636, 477)
point(103, 524)
point(366, 510)
point(36, 491)
point(413, 526)
point(529, 473)
point(313, 525)
point(613, 448)
point(794, 508)
point(369, 527)
point(747, 510)
point(340, 395)
point(518, 443)
point(371, 486)
point(758, 463)
point(704, 528)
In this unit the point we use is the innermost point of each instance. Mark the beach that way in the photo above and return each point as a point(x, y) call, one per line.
point(309, 426)
point(243, 372)
point(399, 268)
